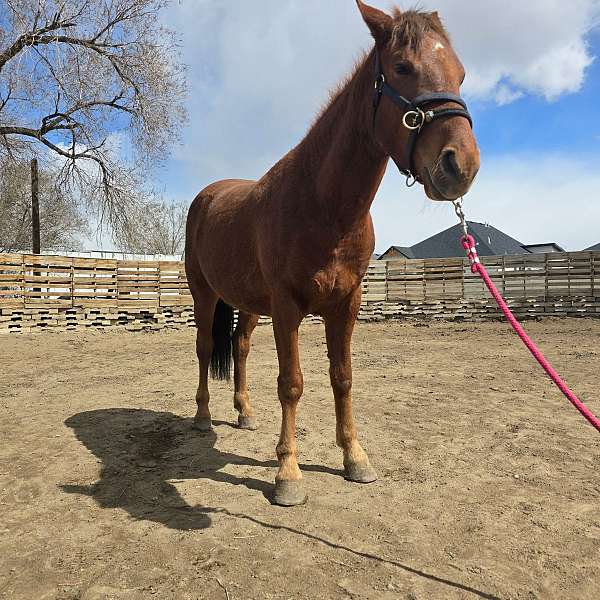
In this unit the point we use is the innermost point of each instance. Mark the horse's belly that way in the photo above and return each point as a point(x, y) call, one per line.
point(239, 285)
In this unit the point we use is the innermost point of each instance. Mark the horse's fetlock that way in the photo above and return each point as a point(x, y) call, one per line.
point(202, 397)
point(345, 435)
point(240, 400)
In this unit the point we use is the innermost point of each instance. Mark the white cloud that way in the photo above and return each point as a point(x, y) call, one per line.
point(560, 70)
point(538, 45)
point(504, 94)
point(261, 70)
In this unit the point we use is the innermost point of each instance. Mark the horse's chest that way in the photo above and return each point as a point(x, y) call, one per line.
point(335, 283)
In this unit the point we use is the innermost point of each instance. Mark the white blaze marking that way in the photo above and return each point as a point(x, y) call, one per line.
point(438, 46)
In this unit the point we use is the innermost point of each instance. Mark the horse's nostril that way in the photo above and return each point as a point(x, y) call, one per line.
point(450, 164)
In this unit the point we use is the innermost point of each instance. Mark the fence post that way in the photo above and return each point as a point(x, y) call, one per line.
point(23, 292)
point(593, 274)
point(158, 283)
point(35, 207)
point(387, 281)
point(72, 284)
point(546, 276)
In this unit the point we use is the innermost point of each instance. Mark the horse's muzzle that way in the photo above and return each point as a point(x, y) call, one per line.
point(452, 175)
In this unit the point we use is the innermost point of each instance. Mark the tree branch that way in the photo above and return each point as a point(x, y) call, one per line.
point(31, 39)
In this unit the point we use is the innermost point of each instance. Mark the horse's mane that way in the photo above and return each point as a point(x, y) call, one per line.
point(412, 26)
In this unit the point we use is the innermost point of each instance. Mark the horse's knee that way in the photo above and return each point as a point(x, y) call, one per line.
point(290, 388)
point(241, 346)
point(204, 346)
point(341, 383)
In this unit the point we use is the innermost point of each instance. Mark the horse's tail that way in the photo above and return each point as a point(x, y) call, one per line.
point(222, 334)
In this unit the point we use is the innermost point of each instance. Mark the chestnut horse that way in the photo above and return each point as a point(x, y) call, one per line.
point(299, 240)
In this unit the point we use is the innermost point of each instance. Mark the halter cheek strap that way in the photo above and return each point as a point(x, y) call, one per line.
point(416, 114)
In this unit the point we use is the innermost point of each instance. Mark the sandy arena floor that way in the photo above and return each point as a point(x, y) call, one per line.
point(489, 481)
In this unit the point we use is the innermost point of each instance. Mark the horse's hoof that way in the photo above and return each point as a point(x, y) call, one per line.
point(249, 423)
point(289, 493)
point(203, 424)
point(360, 472)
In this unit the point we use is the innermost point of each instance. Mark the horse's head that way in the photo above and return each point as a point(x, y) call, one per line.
point(419, 118)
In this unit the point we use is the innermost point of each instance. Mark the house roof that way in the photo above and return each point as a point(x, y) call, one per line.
point(404, 250)
point(595, 248)
point(541, 247)
point(489, 242)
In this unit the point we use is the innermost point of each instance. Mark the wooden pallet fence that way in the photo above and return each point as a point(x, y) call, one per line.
point(374, 284)
point(30, 281)
point(38, 292)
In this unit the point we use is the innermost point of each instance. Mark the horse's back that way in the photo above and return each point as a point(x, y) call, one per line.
point(212, 203)
point(219, 191)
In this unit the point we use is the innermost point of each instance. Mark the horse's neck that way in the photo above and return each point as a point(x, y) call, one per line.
point(343, 160)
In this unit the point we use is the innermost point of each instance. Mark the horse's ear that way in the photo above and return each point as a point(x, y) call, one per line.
point(379, 23)
point(436, 18)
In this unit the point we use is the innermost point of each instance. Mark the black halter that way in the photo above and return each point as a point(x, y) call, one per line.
point(416, 115)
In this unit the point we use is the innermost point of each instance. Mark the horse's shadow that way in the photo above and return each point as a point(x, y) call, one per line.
point(142, 450)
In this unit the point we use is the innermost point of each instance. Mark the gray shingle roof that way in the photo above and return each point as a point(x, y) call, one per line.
point(405, 250)
point(489, 241)
point(543, 248)
point(595, 248)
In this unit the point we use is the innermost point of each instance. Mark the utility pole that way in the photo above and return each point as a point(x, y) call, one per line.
point(35, 207)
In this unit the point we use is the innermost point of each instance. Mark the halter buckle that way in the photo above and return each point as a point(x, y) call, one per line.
point(417, 119)
point(379, 82)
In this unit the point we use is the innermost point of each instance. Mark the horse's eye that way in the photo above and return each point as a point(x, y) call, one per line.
point(404, 68)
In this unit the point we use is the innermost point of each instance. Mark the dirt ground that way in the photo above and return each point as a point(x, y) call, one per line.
point(489, 480)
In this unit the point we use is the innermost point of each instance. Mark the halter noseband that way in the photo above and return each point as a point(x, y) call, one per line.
point(416, 115)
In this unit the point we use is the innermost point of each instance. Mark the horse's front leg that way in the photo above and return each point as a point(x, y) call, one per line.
point(339, 324)
point(289, 490)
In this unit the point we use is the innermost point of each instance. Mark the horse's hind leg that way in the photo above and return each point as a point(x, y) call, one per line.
point(205, 301)
point(241, 348)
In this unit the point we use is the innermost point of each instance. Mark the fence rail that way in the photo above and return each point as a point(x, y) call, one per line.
point(529, 276)
point(34, 281)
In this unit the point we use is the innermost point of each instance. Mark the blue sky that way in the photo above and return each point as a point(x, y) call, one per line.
point(259, 71)
point(570, 123)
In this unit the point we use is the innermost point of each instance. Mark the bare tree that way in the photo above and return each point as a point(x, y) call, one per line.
point(94, 85)
point(61, 222)
point(155, 228)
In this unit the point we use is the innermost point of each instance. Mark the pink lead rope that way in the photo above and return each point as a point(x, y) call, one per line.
point(468, 243)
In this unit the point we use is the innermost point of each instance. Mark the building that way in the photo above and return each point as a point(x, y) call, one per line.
point(543, 248)
point(396, 252)
point(595, 248)
point(488, 240)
